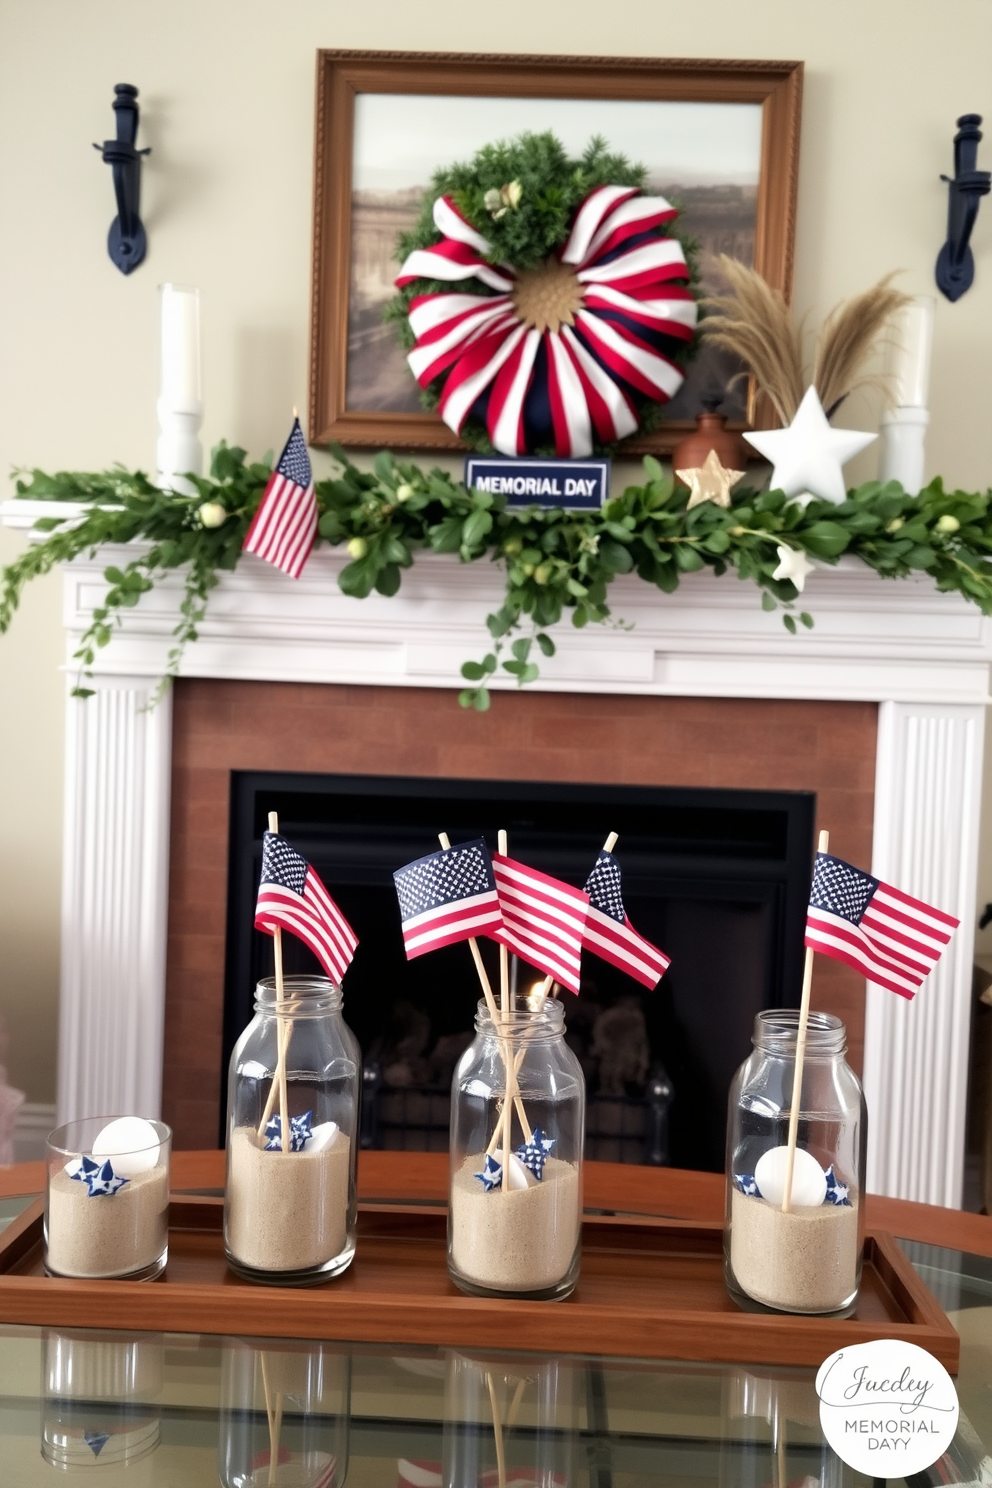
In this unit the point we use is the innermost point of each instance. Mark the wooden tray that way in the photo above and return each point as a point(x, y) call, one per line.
point(650, 1288)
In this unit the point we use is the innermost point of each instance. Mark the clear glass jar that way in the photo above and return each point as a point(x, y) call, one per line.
point(100, 1406)
point(285, 1413)
point(517, 1233)
point(107, 1198)
point(807, 1259)
point(289, 1217)
point(512, 1419)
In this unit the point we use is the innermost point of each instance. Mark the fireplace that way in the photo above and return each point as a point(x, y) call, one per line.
point(880, 710)
point(717, 878)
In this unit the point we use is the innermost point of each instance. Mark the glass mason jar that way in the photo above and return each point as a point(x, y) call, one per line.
point(514, 1228)
point(289, 1217)
point(806, 1259)
point(285, 1411)
point(512, 1418)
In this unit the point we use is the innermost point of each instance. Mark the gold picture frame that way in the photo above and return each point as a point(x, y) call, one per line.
point(358, 395)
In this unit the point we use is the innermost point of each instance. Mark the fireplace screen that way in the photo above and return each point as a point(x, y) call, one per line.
point(717, 879)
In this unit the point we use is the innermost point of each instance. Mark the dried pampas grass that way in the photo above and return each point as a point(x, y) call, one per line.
point(756, 325)
point(848, 338)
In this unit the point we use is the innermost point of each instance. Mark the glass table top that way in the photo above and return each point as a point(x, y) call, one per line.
point(183, 1410)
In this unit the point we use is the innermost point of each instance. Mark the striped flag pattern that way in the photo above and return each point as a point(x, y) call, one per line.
point(610, 934)
point(894, 939)
point(572, 382)
point(446, 897)
point(284, 526)
point(543, 919)
point(291, 897)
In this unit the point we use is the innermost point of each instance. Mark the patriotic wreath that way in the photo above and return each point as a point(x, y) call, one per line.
point(573, 309)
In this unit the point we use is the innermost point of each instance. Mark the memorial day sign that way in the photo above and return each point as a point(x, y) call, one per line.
point(577, 485)
point(888, 1409)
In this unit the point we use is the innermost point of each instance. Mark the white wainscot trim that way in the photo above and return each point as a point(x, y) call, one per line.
point(923, 656)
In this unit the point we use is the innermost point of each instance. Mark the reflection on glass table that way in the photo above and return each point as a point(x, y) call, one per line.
point(181, 1410)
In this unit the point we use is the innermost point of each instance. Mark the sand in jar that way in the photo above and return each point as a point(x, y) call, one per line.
point(287, 1211)
point(107, 1234)
point(803, 1261)
point(519, 1240)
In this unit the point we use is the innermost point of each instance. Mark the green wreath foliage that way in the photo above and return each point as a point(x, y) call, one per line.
point(557, 563)
point(552, 186)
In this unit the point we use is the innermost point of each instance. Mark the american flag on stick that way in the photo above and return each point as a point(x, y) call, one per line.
point(284, 526)
point(543, 919)
point(291, 897)
point(446, 897)
point(894, 939)
point(609, 933)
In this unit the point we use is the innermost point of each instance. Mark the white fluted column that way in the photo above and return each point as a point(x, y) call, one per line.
point(928, 792)
point(114, 900)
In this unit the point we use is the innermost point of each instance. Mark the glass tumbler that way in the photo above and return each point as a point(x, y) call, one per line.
point(107, 1198)
point(289, 1208)
point(515, 1211)
point(804, 1256)
point(100, 1397)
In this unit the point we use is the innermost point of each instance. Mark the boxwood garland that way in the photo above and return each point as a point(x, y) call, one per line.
point(556, 562)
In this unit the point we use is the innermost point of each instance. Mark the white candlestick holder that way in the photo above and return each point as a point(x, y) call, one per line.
point(180, 410)
point(903, 447)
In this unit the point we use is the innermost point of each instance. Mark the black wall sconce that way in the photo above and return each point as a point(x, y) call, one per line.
point(955, 262)
point(126, 241)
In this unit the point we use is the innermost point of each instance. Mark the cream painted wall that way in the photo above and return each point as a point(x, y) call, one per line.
point(227, 100)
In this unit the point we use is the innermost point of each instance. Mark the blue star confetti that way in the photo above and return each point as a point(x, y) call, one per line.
point(96, 1441)
point(491, 1174)
point(100, 1176)
point(535, 1153)
point(745, 1184)
point(299, 1133)
point(836, 1191)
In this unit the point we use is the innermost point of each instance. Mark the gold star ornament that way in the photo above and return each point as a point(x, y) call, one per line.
point(710, 481)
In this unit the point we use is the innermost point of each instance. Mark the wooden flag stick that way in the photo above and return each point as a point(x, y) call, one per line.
point(274, 1436)
point(508, 1059)
point(797, 1082)
point(608, 846)
point(284, 1033)
point(497, 1433)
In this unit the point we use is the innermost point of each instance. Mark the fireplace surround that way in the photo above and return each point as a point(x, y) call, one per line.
point(880, 710)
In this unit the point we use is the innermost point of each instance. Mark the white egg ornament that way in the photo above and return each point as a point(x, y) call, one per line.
point(322, 1137)
point(518, 1176)
point(131, 1143)
point(809, 1181)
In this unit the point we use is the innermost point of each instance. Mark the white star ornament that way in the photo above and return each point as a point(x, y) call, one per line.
point(809, 454)
point(793, 564)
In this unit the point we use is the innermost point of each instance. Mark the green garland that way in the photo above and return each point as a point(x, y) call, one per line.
point(521, 195)
point(555, 561)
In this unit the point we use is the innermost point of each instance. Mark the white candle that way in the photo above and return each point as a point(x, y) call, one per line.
point(909, 356)
point(179, 388)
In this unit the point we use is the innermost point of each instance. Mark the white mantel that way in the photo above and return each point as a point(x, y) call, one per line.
point(923, 656)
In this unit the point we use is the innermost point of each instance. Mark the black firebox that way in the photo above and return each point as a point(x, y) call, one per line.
point(718, 879)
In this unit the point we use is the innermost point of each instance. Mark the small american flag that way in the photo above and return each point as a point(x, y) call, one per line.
point(284, 526)
point(543, 919)
point(894, 939)
point(291, 897)
point(446, 897)
point(610, 934)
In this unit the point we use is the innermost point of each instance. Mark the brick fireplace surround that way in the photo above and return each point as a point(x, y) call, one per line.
point(826, 747)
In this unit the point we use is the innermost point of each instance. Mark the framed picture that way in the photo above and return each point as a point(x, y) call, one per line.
point(720, 138)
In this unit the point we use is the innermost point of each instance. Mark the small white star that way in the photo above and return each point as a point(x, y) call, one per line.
point(808, 455)
point(793, 565)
